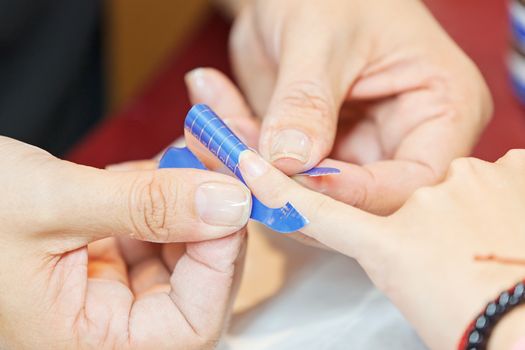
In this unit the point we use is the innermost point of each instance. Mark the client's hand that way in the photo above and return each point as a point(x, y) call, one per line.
point(446, 253)
point(58, 293)
point(374, 83)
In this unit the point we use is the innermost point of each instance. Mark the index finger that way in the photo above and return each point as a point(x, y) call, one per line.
point(339, 226)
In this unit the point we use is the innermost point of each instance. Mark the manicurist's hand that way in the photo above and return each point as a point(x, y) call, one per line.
point(70, 277)
point(377, 86)
point(442, 257)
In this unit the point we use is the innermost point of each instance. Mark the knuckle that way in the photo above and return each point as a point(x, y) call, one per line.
point(514, 156)
point(149, 207)
point(421, 195)
point(359, 197)
point(322, 204)
point(307, 99)
point(462, 167)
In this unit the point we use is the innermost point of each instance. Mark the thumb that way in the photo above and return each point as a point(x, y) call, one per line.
point(299, 127)
point(76, 204)
point(168, 205)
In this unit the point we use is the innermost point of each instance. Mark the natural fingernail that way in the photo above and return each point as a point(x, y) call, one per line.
point(223, 204)
point(252, 164)
point(291, 143)
point(199, 86)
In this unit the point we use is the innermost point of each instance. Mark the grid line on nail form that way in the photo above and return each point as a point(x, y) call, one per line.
point(221, 134)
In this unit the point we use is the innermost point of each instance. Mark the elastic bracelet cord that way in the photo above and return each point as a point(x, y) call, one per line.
point(478, 332)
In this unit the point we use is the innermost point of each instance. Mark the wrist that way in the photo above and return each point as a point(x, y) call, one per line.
point(499, 324)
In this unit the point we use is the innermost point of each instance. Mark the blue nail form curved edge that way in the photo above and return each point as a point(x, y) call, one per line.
point(215, 135)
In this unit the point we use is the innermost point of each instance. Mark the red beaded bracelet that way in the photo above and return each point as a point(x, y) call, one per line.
point(477, 334)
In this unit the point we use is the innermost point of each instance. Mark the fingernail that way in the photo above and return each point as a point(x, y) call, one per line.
point(291, 143)
point(252, 164)
point(223, 204)
point(200, 87)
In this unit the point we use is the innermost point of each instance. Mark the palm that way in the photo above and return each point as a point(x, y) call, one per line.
point(130, 294)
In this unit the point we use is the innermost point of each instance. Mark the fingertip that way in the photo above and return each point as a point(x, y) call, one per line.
point(290, 148)
point(201, 87)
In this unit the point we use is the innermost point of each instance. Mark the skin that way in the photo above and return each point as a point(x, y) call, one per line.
point(372, 91)
point(119, 294)
point(71, 276)
point(439, 232)
point(423, 256)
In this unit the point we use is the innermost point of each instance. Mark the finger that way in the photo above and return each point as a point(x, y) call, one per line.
point(210, 263)
point(106, 262)
point(195, 311)
point(133, 165)
point(300, 125)
point(167, 205)
point(210, 87)
point(358, 143)
point(254, 69)
point(379, 188)
point(171, 253)
point(149, 276)
point(134, 251)
point(338, 226)
point(213, 88)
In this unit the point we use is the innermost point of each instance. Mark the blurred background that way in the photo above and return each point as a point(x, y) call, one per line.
point(101, 81)
point(65, 65)
point(141, 35)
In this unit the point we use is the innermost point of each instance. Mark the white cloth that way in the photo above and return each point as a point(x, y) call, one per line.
point(328, 302)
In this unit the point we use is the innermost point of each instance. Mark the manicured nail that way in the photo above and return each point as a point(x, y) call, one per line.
point(223, 204)
point(199, 86)
point(291, 143)
point(252, 164)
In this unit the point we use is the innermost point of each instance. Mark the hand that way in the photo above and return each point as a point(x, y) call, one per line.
point(58, 293)
point(446, 253)
point(376, 85)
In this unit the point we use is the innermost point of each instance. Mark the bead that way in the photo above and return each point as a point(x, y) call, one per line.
point(503, 299)
point(519, 290)
point(514, 300)
point(493, 310)
point(475, 338)
point(482, 323)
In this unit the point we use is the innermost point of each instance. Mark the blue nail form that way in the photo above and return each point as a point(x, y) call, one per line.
point(215, 135)
point(180, 158)
point(321, 171)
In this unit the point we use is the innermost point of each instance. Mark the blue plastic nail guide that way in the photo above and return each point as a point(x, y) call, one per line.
point(321, 171)
point(180, 158)
point(215, 135)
